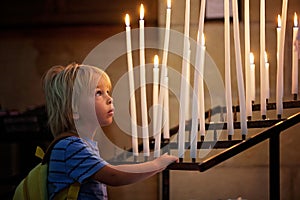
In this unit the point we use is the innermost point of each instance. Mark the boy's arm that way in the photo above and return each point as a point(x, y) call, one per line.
point(126, 174)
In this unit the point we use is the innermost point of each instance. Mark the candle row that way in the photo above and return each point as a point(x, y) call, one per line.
point(264, 86)
point(160, 89)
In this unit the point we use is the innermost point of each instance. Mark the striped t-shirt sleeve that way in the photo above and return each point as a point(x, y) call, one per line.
point(81, 159)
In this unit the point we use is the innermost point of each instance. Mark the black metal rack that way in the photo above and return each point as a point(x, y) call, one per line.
point(273, 128)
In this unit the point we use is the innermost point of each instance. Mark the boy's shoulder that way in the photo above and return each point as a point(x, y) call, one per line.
point(68, 141)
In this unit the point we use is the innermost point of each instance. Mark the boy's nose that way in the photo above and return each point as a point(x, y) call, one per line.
point(110, 100)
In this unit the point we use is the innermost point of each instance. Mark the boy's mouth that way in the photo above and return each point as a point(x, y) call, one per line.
point(111, 111)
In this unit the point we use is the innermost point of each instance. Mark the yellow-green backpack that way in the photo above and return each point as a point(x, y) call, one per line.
point(34, 185)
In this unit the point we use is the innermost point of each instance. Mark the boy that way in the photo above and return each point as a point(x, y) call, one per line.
point(77, 159)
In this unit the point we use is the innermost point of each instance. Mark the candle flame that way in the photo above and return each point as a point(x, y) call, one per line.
point(295, 20)
point(266, 57)
point(279, 20)
point(142, 12)
point(251, 58)
point(168, 3)
point(156, 60)
point(127, 20)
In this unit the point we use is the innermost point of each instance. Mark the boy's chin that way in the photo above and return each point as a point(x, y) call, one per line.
point(106, 123)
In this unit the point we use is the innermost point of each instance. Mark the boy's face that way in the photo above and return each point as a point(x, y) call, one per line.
point(104, 103)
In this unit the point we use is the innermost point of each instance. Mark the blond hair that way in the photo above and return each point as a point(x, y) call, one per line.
point(62, 85)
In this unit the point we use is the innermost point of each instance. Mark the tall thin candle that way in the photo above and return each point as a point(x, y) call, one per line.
point(156, 132)
point(278, 90)
point(239, 71)
point(144, 111)
point(295, 57)
point(262, 59)
point(267, 80)
point(131, 89)
point(166, 111)
point(202, 59)
point(228, 95)
point(252, 77)
point(162, 101)
point(279, 95)
point(247, 59)
point(182, 109)
point(198, 98)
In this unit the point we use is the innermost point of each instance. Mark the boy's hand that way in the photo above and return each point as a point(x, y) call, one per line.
point(165, 160)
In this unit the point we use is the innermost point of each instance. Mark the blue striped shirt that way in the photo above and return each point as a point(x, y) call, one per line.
point(75, 159)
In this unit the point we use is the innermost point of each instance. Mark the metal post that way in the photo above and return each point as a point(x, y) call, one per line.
point(274, 166)
point(166, 184)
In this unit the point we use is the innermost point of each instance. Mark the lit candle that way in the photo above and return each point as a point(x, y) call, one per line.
point(252, 78)
point(239, 71)
point(278, 89)
point(279, 95)
point(228, 96)
point(131, 89)
point(183, 93)
point(263, 105)
point(247, 60)
point(267, 81)
point(144, 111)
point(156, 132)
point(295, 57)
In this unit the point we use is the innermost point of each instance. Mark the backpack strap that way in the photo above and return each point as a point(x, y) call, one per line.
point(46, 156)
point(71, 192)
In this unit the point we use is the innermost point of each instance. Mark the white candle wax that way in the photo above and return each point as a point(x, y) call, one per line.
point(295, 57)
point(262, 59)
point(166, 111)
point(227, 69)
point(198, 110)
point(247, 59)
point(131, 89)
point(156, 132)
point(252, 77)
point(201, 100)
point(162, 102)
point(182, 112)
point(144, 110)
point(187, 86)
point(278, 91)
point(279, 95)
point(267, 80)
point(201, 89)
point(239, 71)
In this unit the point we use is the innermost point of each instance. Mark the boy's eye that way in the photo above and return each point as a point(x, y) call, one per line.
point(98, 93)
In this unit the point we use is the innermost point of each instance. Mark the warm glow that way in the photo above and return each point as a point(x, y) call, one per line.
point(295, 20)
point(142, 12)
point(251, 58)
point(156, 60)
point(127, 20)
point(266, 57)
point(279, 21)
point(169, 4)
